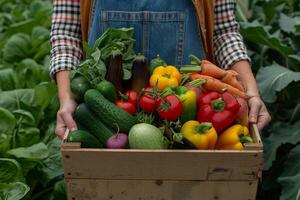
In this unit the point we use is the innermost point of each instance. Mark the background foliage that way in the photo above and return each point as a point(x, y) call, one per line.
point(30, 163)
point(271, 30)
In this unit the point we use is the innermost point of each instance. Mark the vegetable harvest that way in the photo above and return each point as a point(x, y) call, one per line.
point(188, 108)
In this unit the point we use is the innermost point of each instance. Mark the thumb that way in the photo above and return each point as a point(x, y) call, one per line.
point(69, 121)
point(254, 108)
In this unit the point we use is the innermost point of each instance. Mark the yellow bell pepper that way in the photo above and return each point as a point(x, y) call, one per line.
point(201, 135)
point(234, 137)
point(165, 77)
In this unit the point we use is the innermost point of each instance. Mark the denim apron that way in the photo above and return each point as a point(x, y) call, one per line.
point(165, 27)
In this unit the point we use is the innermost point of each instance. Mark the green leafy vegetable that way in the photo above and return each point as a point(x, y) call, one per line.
point(35, 152)
point(290, 178)
point(94, 67)
point(13, 191)
point(273, 79)
point(279, 137)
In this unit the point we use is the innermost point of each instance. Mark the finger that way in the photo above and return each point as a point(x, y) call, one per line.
point(60, 132)
point(60, 127)
point(69, 121)
point(263, 121)
point(253, 114)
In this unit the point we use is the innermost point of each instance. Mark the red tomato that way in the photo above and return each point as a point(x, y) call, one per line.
point(127, 106)
point(171, 109)
point(148, 102)
point(132, 96)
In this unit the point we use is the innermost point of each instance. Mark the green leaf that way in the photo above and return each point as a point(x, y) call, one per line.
point(24, 118)
point(295, 57)
point(35, 152)
point(30, 68)
point(59, 192)
point(13, 191)
point(282, 133)
point(4, 143)
point(290, 178)
point(52, 167)
point(21, 27)
point(8, 79)
point(296, 114)
point(17, 48)
point(10, 171)
point(17, 99)
point(273, 79)
point(40, 32)
point(127, 74)
point(288, 24)
point(25, 137)
point(259, 34)
point(8, 121)
point(44, 92)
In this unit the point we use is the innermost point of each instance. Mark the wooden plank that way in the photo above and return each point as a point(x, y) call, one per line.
point(162, 164)
point(255, 134)
point(85, 189)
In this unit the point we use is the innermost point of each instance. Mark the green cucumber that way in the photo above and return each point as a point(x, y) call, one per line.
point(92, 123)
point(108, 112)
point(86, 139)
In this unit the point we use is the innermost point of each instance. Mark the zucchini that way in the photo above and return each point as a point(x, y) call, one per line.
point(92, 123)
point(108, 112)
point(86, 139)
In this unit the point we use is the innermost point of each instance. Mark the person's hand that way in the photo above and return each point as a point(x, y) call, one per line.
point(258, 112)
point(64, 118)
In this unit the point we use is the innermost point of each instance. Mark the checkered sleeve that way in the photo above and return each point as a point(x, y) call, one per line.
point(66, 44)
point(228, 42)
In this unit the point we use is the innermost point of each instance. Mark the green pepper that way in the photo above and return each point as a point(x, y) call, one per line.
point(188, 99)
point(108, 90)
point(156, 62)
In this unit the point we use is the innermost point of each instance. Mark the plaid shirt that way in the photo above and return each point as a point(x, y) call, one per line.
point(66, 43)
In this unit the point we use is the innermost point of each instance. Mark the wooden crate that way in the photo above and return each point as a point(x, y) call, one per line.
point(162, 174)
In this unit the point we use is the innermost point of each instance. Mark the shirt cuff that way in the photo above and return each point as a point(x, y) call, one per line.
point(62, 63)
point(230, 49)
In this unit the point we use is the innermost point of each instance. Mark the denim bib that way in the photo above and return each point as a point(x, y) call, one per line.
point(165, 27)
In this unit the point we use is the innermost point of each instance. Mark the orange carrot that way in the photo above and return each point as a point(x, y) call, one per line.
point(213, 84)
point(210, 69)
point(231, 78)
point(207, 68)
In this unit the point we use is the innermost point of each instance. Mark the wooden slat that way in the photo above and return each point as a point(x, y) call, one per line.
point(84, 189)
point(255, 134)
point(162, 164)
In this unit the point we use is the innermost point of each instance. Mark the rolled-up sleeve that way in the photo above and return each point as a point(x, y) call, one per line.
point(66, 44)
point(228, 42)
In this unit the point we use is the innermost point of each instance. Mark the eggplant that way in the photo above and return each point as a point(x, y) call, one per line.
point(140, 73)
point(114, 73)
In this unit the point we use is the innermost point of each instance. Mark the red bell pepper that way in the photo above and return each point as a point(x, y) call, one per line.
point(219, 109)
point(128, 102)
point(170, 108)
